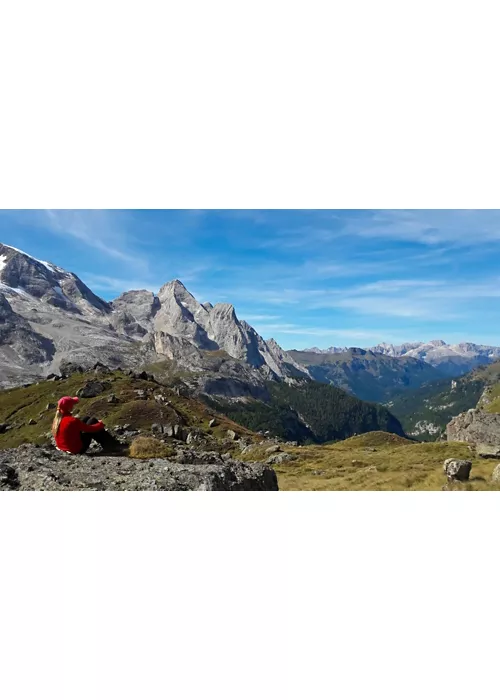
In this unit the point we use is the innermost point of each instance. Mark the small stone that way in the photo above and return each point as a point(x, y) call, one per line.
point(31, 422)
point(112, 399)
point(280, 458)
point(273, 449)
point(50, 406)
point(212, 423)
point(231, 434)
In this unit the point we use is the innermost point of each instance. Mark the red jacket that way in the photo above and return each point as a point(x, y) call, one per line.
point(68, 436)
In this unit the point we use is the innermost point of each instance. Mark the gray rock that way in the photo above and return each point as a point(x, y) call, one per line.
point(50, 407)
point(30, 468)
point(212, 423)
point(113, 399)
point(274, 448)
point(179, 433)
point(68, 368)
point(280, 458)
point(496, 473)
point(3, 428)
point(92, 389)
point(457, 469)
point(121, 429)
point(31, 422)
point(231, 435)
point(476, 427)
point(488, 451)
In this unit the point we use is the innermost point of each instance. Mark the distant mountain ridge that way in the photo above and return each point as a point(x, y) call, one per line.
point(450, 360)
point(368, 375)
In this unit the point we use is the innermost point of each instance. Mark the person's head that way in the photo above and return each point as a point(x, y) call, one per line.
point(67, 404)
point(64, 408)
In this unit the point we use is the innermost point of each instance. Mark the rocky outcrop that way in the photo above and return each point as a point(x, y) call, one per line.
point(30, 468)
point(475, 427)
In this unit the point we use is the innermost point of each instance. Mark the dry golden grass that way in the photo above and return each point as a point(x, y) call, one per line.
point(149, 448)
point(378, 462)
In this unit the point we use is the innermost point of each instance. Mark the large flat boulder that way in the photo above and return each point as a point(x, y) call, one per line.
point(488, 451)
point(30, 468)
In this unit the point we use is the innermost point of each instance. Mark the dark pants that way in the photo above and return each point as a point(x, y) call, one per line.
point(102, 437)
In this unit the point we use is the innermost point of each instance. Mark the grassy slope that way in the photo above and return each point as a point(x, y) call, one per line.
point(381, 461)
point(395, 465)
point(18, 406)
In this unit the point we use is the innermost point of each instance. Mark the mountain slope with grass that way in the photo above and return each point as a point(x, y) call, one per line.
point(380, 462)
point(301, 412)
point(133, 405)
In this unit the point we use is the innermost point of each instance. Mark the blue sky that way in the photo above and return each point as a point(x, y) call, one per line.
point(306, 278)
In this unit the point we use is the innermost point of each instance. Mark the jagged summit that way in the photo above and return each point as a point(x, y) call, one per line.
point(61, 320)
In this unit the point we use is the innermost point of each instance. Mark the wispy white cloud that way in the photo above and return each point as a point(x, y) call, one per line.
point(117, 285)
point(97, 229)
point(458, 227)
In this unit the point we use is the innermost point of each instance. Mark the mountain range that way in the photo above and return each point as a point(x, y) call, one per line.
point(368, 375)
point(450, 360)
point(50, 320)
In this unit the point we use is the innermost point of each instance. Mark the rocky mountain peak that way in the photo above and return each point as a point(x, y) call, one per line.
point(63, 320)
point(23, 275)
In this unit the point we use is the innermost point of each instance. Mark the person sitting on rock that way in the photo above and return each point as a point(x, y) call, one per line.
point(74, 435)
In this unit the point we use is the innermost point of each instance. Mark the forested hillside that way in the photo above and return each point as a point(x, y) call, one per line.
point(310, 412)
